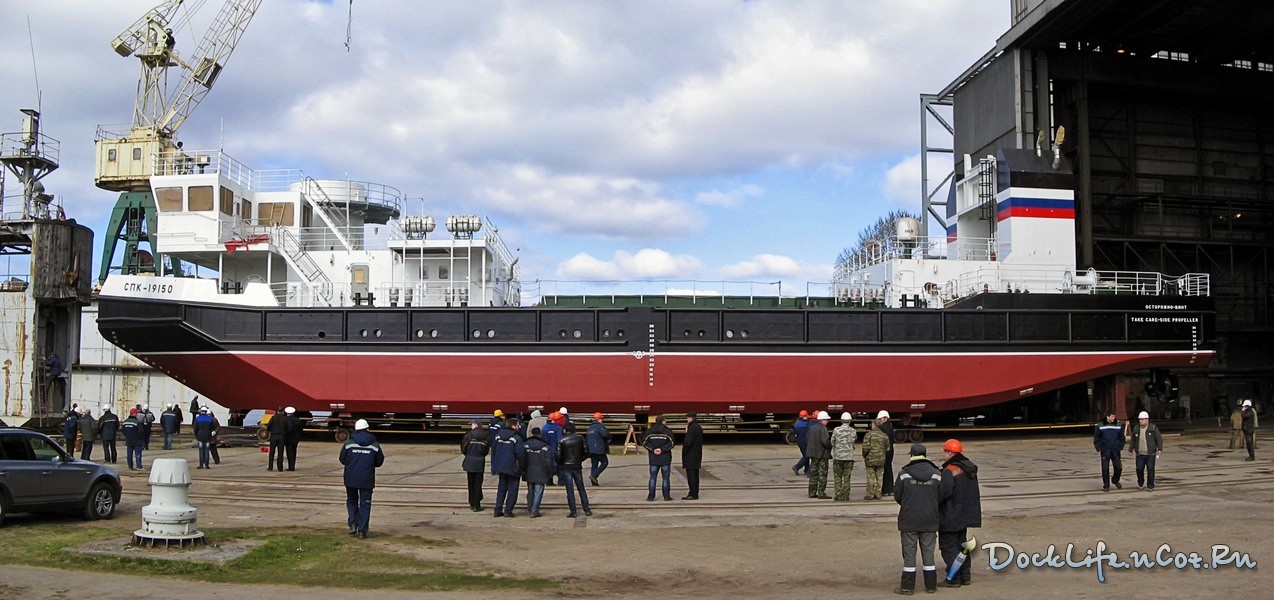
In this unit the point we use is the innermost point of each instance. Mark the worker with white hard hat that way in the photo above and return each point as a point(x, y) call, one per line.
point(1146, 445)
point(168, 423)
point(1249, 429)
point(293, 437)
point(361, 455)
point(876, 447)
point(146, 419)
point(842, 457)
point(818, 447)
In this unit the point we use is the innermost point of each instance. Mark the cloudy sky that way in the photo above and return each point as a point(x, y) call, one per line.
point(691, 139)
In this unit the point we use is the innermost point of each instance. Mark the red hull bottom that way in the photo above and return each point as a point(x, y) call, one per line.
point(628, 383)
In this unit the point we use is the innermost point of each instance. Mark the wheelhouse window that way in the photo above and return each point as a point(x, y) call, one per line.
point(200, 198)
point(168, 199)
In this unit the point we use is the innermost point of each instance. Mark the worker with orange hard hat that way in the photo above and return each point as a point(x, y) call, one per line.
point(552, 433)
point(800, 429)
point(597, 442)
point(960, 509)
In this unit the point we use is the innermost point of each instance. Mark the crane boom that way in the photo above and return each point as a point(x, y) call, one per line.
point(126, 161)
point(209, 59)
point(139, 33)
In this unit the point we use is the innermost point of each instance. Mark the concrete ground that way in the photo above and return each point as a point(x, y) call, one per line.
point(755, 533)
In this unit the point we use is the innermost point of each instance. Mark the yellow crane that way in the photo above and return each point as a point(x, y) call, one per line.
point(125, 161)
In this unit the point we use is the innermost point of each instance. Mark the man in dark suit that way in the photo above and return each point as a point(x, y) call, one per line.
point(692, 454)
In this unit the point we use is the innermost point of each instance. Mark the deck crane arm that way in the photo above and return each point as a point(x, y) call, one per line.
point(208, 60)
point(145, 31)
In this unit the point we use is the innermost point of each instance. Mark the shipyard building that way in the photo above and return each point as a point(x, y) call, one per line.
point(1158, 109)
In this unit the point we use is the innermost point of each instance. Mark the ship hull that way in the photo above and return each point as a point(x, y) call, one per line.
point(719, 382)
point(650, 360)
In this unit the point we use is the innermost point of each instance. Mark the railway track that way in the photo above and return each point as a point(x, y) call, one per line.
point(327, 490)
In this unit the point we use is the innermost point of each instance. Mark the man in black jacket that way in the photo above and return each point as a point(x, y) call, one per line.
point(598, 440)
point(887, 479)
point(692, 454)
point(818, 449)
point(169, 421)
point(278, 428)
point(508, 456)
point(107, 427)
point(539, 467)
point(1248, 424)
point(570, 463)
point(293, 436)
point(918, 491)
point(1108, 440)
point(658, 444)
point(961, 508)
point(474, 446)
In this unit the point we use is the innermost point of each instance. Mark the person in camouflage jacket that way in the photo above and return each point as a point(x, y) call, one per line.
point(843, 456)
point(875, 448)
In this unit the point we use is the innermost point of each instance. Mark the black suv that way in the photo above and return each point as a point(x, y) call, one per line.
point(37, 475)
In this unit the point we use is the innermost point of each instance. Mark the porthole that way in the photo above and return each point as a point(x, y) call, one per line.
point(477, 334)
point(420, 333)
point(702, 333)
point(685, 333)
point(490, 333)
point(362, 332)
point(743, 333)
point(729, 333)
point(619, 333)
point(576, 334)
point(322, 334)
point(561, 333)
point(433, 333)
point(605, 333)
point(377, 333)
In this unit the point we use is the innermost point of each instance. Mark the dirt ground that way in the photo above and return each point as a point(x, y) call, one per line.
point(755, 534)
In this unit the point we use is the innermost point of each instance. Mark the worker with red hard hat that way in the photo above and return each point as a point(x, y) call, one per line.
point(960, 509)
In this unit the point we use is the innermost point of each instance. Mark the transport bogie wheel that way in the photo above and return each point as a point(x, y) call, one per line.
point(789, 437)
point(263, 434)
point(901, 436)
point(342, 434)
point(917, 436)
point(100, 503)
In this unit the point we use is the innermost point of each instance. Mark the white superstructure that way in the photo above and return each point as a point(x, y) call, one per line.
point(318, 242)
point(1012, 231)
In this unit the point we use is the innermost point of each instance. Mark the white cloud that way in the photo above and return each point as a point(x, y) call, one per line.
point(608, 207)
point(583, 266)
point(652, 263)
point(766, 267)
point(902, 182)
point(647, 263)
point(729, 198)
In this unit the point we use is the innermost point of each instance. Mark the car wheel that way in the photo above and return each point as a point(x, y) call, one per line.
point(100, 503)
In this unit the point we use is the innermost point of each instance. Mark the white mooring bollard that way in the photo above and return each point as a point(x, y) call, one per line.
point(169, 520)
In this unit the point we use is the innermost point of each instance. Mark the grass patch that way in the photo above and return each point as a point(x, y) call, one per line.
point(288, 557)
